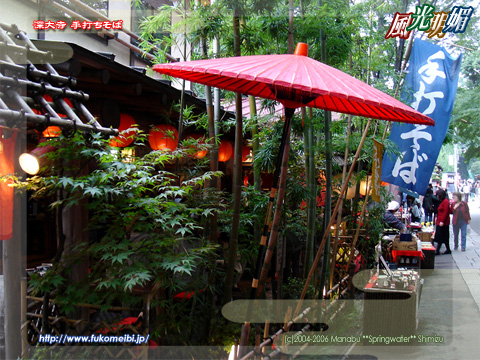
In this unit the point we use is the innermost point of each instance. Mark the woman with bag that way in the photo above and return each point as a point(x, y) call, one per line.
point(461, 219)
point(442, 232)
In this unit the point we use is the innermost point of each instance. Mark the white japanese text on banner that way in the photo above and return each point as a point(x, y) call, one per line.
point(430, 87)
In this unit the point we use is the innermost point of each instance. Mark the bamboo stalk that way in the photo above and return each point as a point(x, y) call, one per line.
point(273, 191)
point(272, 240)
point(272, 338)
point(325, 234)
point(339, 215)
point(113, 308)
point(265, 333)
point(360, 220)
point(288, 315)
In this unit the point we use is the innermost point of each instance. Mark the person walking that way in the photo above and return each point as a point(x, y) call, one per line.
point(466, 190)
point(428, 204)
point(442, 232)
point(461, 219)
point(416, 211)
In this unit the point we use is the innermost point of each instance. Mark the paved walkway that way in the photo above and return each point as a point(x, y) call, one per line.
point(468, 262)
point(449, 307)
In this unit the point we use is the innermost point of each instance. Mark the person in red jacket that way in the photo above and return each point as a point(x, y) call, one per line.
point(442, 231)
point(461, 218)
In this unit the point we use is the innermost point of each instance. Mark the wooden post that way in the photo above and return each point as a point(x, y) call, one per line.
point(14, 265)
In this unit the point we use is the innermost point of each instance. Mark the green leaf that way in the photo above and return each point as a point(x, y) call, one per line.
point(92, 191)
point(65, 182)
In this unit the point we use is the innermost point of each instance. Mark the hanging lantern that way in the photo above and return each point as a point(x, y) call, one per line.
point(225, 151)
point(201, 153)
point(33, 161)
point(246, 154)
point(364, 184)
point(126, 137)
point(52, 131)
point(163, 137)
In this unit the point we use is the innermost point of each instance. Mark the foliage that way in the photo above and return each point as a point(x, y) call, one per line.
point(475, 167)
point(465, 118)
point(374, 225)
point(253, 209)
point(148, 223)
point(294, 287)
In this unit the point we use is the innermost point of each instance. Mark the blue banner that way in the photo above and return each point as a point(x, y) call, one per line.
point(430, 87)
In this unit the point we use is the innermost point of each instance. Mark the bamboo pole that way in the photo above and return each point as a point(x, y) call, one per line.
point(267, 225)
point(257, 179)
point(360, 220)
point(266, 330)
point(237, 171)
point(335, 211)
point(328, 179)
point(272, 338)
point(288, 315)
point(273, 235)
point(309, 166)
point(339, 215)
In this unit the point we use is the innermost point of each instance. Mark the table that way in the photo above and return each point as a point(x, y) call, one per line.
point(428, 262)
point(408, 258)
point(390, 311)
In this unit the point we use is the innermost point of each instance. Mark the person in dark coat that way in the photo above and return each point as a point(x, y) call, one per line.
point(442, 232)
point(461, 219)
point(391, 220)
point(428, 204)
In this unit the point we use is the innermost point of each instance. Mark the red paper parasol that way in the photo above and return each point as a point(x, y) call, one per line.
point(295, 81)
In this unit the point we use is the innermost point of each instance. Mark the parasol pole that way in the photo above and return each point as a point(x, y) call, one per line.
point(273, 192)
point(273, 231)
point(267, 227)
point(332, 219)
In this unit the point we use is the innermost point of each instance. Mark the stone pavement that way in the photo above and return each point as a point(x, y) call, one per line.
point(468, 262)
point(449, 307)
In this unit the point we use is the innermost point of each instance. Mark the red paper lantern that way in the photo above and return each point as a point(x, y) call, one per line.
point(161, 138)
point(51, 132)
point(245, 153)
point(202, 153)
point(225, 151)
point(127, 137)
